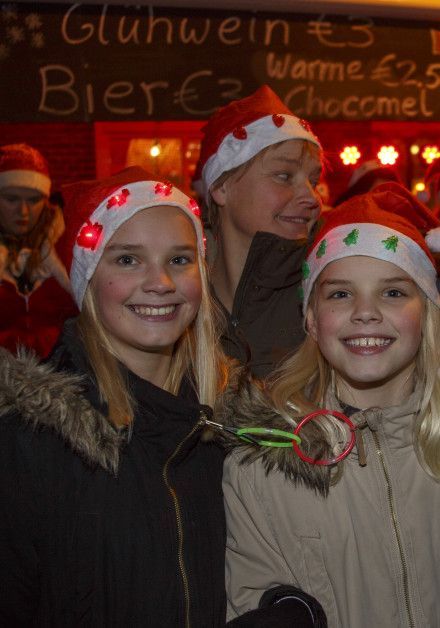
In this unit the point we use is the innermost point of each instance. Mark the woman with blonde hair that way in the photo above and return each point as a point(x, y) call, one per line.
point(348, 510)
point(112, 510)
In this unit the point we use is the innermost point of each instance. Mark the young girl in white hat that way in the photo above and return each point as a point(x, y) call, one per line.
point(348, 510)
point(112, 510)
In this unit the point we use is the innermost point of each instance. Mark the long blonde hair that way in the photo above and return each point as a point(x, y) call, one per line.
point(197, 355)
point(300, 385)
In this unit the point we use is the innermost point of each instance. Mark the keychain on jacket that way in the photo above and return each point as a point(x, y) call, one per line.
point(290, 439)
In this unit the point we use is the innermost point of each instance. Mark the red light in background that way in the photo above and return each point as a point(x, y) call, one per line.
point(430, 154)
point(350, 155)
point(387, 155)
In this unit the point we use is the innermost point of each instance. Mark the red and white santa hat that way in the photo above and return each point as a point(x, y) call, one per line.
point(241, 129)
point(389, 224)
point(22, 165)
point(96, 209)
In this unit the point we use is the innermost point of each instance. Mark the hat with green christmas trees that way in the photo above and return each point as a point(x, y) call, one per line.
point(389, 224)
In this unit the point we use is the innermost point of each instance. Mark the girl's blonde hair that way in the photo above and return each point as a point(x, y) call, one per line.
point(300, 385)
point(197, 355)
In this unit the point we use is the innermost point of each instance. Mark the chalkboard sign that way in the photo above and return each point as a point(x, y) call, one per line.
point(81, 62)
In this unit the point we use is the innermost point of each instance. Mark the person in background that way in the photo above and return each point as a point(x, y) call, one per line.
point(34, 285)
point(112, 509)
point(258, 171)
point(350, 513)
point(366, 177)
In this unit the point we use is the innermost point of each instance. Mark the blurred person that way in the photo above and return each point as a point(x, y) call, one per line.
point(34, 286)
point(366, 177)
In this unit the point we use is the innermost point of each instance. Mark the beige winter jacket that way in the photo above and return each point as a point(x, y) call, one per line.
point(369, 551)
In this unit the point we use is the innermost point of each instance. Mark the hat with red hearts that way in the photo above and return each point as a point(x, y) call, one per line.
point(389, 224)
point(241, 129)
point(96, 209)
point(22, 165)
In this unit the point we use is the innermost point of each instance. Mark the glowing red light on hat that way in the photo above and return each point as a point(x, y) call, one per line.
point(350, 155)
point(239, 133)
point(305, 125)
point(89, 235)
point(387, 155)
point(194, 207)
point(164, 189)
point(118, 199)
point(278, 119)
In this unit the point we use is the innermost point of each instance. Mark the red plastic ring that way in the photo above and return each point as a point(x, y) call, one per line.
point(338, 458)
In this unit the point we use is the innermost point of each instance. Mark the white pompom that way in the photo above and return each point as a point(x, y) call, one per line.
point(432, 239)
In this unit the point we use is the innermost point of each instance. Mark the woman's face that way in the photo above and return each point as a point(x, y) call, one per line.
point(367, 319)
point(147, 285)
point(276, 194)
point(20, 209)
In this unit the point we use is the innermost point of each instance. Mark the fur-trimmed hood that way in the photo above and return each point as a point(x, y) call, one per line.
point(45, 398)
point(245, 404)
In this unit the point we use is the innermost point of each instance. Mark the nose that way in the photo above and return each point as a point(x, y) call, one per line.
point(23, 208)
point(305, 196)
point(158, 280)
point(366, 310)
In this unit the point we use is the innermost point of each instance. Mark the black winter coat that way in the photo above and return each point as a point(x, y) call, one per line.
point(266, 321)
point(99, 527)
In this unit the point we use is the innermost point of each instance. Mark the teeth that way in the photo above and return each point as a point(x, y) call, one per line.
point(143, 310)
point(368, 342)
point(302, 221)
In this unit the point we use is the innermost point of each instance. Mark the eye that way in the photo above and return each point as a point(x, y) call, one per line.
point(181, 260)
point(339, 294)
point(34, 200)
point(126, 260)
point(394, 292)
point(283, 176)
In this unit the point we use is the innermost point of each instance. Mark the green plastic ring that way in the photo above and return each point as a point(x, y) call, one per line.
point(269, 432)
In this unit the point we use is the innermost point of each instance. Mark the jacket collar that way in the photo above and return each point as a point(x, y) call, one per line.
point(49, 399)
point(60, 394)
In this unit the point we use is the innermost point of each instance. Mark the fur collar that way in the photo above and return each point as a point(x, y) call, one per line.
point(245, 404)
point(47, 399)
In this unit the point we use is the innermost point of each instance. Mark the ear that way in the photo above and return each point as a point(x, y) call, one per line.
point(219, 194)
point(311, 326)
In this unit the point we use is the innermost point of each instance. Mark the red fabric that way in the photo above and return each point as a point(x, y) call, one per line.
point(82, 198)
point(22, 157)
point(37, 324)
point(389, 204)
point(238, 113)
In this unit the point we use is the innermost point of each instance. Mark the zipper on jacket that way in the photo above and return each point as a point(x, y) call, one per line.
point(177, 510)
point(396, 530)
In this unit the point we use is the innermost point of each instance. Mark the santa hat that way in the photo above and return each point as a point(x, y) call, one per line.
point(96, 209)
point(24, 166)
point(363, 178)
point(241, 129)
point(387, 224)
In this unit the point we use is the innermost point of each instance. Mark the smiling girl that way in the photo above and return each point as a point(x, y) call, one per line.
point(112, 511)
point(351, 513)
